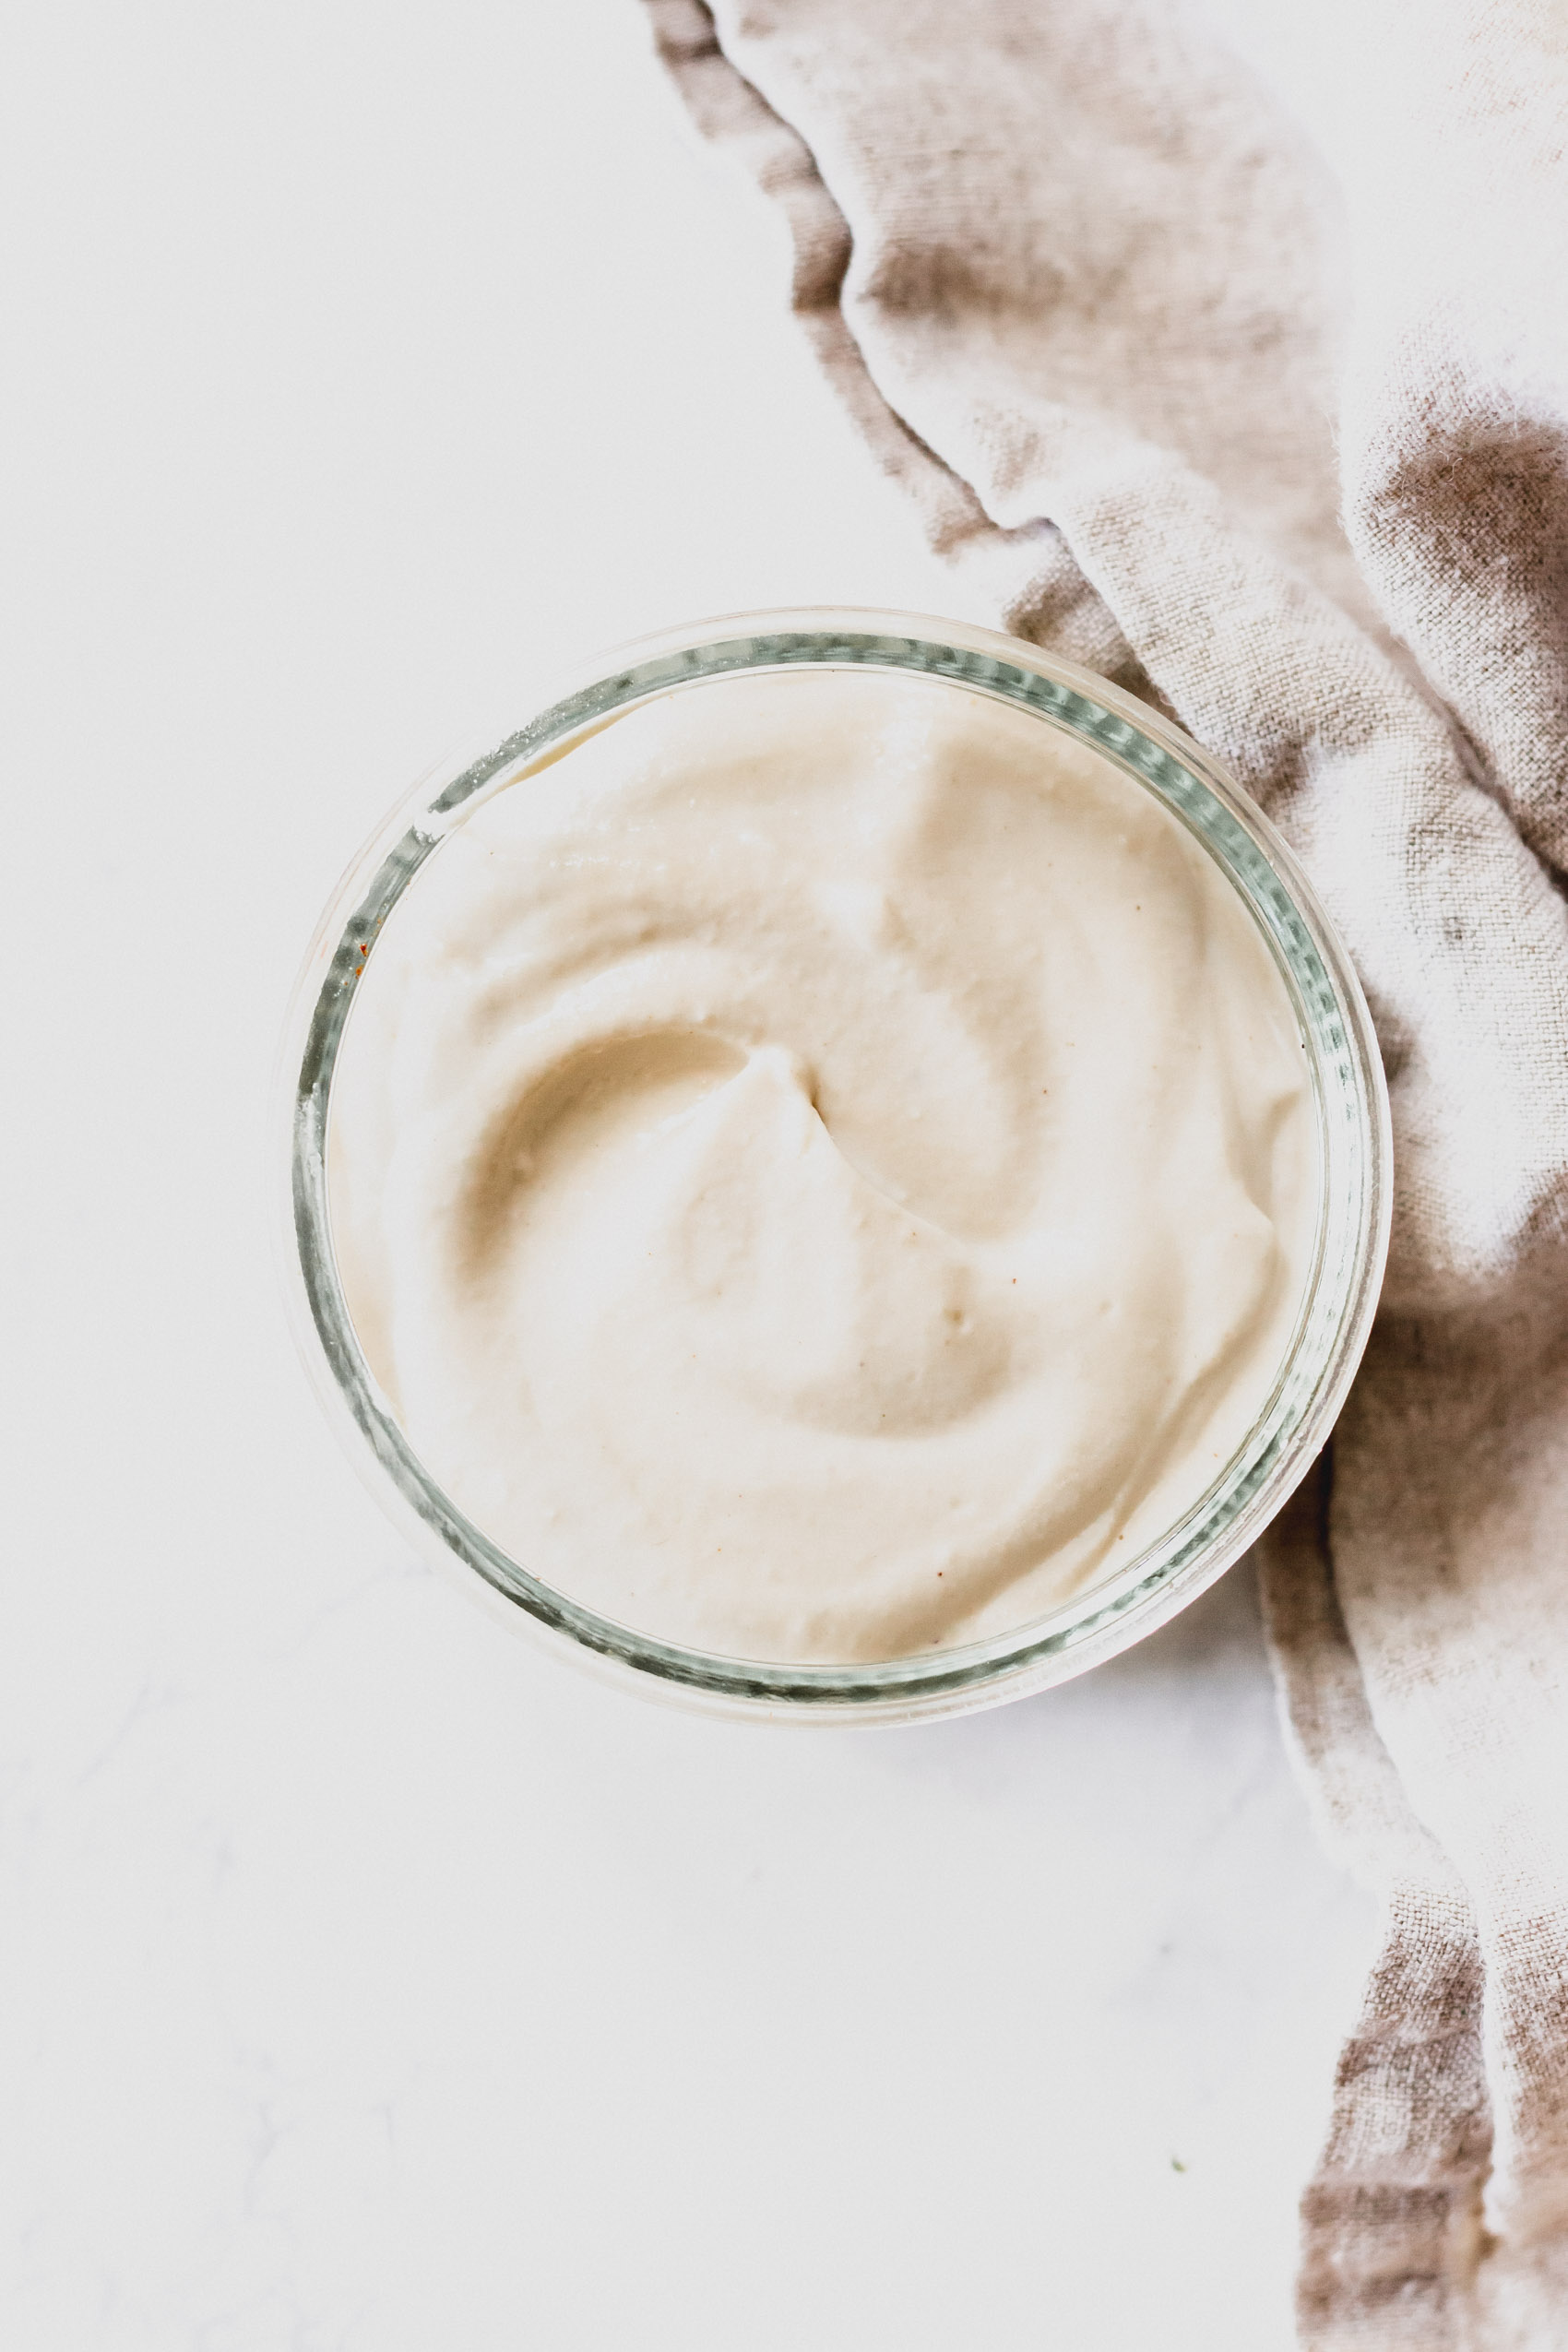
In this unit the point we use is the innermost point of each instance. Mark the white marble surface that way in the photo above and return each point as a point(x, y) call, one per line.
point(371, 1983)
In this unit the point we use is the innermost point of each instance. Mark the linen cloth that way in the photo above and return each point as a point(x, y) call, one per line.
point(1225, 347)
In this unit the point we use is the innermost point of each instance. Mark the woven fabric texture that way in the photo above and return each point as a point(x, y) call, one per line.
point(1224, 348)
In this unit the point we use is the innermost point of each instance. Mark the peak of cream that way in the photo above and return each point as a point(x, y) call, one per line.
point(824, 1169)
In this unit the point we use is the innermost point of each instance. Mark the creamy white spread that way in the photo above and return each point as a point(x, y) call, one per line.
point(823, 1169)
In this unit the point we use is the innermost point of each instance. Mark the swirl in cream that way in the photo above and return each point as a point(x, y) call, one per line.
point(825, 1168)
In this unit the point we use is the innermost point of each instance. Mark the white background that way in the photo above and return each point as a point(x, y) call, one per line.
point(372, 1984)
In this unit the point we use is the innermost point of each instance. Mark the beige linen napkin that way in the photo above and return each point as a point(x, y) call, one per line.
point(1225, 347)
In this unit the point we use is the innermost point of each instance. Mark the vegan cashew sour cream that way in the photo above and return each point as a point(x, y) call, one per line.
point(823, 1169)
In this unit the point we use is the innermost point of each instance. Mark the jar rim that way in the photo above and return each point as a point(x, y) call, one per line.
point(1355, 1155)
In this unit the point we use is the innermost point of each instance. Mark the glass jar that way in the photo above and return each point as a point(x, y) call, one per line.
point(1354, 1156)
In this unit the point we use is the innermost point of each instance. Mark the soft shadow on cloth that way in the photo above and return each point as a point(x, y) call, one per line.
point(1223, 347)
